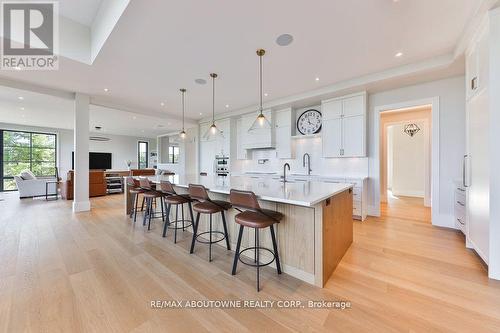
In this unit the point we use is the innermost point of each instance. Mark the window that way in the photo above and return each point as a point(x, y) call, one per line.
point(143, 152)
point(26, 151)
point(173, 154)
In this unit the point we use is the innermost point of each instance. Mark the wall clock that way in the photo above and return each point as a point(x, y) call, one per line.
point(309, 122)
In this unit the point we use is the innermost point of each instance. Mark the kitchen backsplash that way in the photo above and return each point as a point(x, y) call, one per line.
point(319, 165)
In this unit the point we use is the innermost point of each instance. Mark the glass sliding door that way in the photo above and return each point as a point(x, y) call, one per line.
point(26, 151)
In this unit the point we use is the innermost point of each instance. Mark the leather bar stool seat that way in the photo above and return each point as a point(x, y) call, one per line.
point(171, 198)
point(207, 206)
point(150, 194)
point(260, 219)
point(135, 191)
point(256, 218)
point(211, 207)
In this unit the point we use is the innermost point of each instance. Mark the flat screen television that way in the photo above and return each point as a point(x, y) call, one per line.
point(100, 161)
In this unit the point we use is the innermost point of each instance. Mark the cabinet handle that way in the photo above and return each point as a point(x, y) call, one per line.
point(460, 221)
point(464, 173)
point(460, 189)
point(461, 203)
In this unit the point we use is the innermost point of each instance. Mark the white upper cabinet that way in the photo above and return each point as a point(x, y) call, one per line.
point(241, 152)
point(344, 126)
point(283, 133)
point(477, 64)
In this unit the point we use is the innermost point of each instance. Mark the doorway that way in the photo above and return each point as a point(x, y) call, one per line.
point(405, 163)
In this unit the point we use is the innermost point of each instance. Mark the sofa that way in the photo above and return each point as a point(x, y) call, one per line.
point(30, 186)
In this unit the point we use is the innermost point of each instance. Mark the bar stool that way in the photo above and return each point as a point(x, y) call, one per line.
point(150, 195)
point(207, 206)
point(172, 198)
point(256, 218)
point(135, 191)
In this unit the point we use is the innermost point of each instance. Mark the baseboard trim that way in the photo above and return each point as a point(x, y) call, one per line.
point(373, 211)
point(417, 194)
point(445, 221)
point(81, 206)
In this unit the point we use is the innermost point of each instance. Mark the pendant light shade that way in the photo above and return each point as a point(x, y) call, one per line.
point(213, 132)
point(261, 122)
point(182, 134)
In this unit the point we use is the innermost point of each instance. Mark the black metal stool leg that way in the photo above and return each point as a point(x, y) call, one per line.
point(136, 203)
point(275, 247)
point(237, 253)
point(167, 221)
point(195, 230)
point(142, 205)
point(210, 244)
point(151, 212)
point(257, 259)
point(145, 212)
point(255, 242)
point(182, 216)
point(162, 210)
point(225, 230)
point(176, 220)
point(191, 213)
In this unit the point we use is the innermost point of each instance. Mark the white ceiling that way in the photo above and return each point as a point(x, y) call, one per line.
point(160, 46)
point(54, 112)
point(82, 12)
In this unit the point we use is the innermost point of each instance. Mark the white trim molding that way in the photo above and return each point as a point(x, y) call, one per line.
point(434, 103)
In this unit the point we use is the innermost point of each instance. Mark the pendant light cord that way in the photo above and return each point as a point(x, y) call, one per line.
point(183, 109)
point(260, 82)
point(213, 100)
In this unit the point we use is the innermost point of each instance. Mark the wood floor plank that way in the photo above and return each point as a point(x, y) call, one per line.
point(99, 272)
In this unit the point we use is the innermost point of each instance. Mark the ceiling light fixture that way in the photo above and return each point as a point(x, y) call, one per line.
point(399, 54)
point(261, 122)
point(183, 132)
point(106, 89)
point(227, 106)
point(266, 94)
point(213, 131)
point(317, 79)
point(162, 104)
point(20, 98)
point(22, 108)
point(284, 40)
point(200, 81)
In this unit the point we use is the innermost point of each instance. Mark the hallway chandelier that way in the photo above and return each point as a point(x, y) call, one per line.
point(411, 129)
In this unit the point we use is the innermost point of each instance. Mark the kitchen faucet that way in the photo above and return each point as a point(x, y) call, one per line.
point(308, 163)
point(286, 165)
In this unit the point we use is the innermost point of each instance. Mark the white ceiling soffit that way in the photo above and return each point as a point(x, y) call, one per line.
point(84, 27)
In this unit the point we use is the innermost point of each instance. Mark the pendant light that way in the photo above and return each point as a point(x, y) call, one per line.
point(261, 122)
point(213, 131)
point(183, 132)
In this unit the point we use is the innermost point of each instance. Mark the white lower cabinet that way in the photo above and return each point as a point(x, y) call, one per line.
point(460, 199)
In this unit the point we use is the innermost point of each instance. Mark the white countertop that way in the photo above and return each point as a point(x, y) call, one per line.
point(300, 193)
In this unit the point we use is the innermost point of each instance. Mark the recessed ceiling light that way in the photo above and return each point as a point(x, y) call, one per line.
point(22, 108)
point(227, 105)
point(142, 131)
point(162, 104)
point(168, 124)
point(106, 89)
point(399, 54)
point(201, 114)
point(134, 117)
point(23, 116)
point(200, 81)
point(284, 40)
point(317, 79)
point(266, 94)
point(20, 98)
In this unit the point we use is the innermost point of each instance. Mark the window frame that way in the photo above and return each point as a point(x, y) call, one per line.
point(139, 154)
point(171, 155)
point(30, 161)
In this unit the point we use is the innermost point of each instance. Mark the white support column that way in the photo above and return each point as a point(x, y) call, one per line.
point(494, 87)
point(81, 200)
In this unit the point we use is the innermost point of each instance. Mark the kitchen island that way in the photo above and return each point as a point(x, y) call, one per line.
point(312, 238)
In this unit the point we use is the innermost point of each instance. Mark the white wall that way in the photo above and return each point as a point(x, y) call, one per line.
point(451, 93)
point(121, 147)
point(408, 161)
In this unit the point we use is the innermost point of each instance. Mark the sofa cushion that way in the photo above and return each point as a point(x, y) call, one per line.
point(27, 175)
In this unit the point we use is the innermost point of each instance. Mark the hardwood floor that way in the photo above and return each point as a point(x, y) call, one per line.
point(98, 272)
